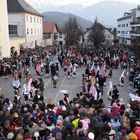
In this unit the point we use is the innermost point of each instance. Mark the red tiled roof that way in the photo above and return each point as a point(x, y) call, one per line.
point(49, 27)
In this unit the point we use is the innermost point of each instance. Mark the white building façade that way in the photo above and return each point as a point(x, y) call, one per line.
point(25, 25)
point(128, 30)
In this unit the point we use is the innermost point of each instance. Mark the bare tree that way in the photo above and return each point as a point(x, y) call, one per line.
point(115, 33)
point(96, 34)
point(73, 32)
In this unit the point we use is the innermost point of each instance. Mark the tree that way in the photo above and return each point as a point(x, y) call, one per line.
point(73, 32)
point(96, 34)
point(115, 33)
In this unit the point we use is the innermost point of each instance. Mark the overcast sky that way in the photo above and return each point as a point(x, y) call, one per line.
point(65, 2)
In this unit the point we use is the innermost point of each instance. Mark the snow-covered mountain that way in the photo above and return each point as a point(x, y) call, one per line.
point(107, 12)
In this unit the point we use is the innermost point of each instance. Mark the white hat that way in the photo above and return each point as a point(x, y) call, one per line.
point(46, 111)
point(60, 117)
point(36, 134)
point(36, 107)
point(110, 124)
point(137, 123)
point(67, 119)
point(128, 105)
point(91, 136)
point(10, 136)
point(25, 109)
point(64, 108)
point(77, 105)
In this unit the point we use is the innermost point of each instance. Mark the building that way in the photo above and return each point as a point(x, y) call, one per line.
point(124, 28)
point(129, 26)
point(4, 36)
point(135, 33)
point(84, 40)
point(25, 25)
point(109, 36)
point(61, 35)
point(50, 34)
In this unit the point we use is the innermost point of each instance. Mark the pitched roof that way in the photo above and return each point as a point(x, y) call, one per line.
point(21, 6)
point(48, 27)
point(128, 15)
point(109, 29)
point(123, 18)
point(61, 29)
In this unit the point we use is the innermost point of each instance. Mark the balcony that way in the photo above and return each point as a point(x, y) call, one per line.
point(135, 33)
point(135, 24)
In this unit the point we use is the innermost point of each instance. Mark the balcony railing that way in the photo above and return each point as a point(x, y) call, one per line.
point(135, 23)
point(135, 33)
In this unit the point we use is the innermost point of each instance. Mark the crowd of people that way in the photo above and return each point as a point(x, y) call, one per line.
point(84, 117)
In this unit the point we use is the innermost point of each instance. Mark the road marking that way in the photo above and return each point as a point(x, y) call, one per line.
point(55, 99)
point(47, 82)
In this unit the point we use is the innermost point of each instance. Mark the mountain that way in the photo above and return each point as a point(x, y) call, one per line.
point(107, 12)
point(62, 18)
point(71, 8)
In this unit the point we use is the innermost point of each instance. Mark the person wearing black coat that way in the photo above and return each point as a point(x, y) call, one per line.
point(115, 93)
point(47, 69)
point(101, 84)
point(53, 70)
point(57, 69)
point(41, 86)
point(53, 74)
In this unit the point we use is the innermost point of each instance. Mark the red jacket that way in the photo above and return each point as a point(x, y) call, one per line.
point(137, 132)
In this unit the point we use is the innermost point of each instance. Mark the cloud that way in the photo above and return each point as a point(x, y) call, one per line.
point(46, 3)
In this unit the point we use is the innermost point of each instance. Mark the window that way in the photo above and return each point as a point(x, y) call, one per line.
point(55, 36)
point(27, 31)
point(127, 25)
point(123, 25)
point(118, 31)
point(35, 31)
point(40, 21)
point(13, 30)
point(119, 25)
point(60, 42)
point(48, 36)
point(31, 31)
point(60, 37)
point(30, 19)
point(34, 20)
point(37, 20)
point(109, 36)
